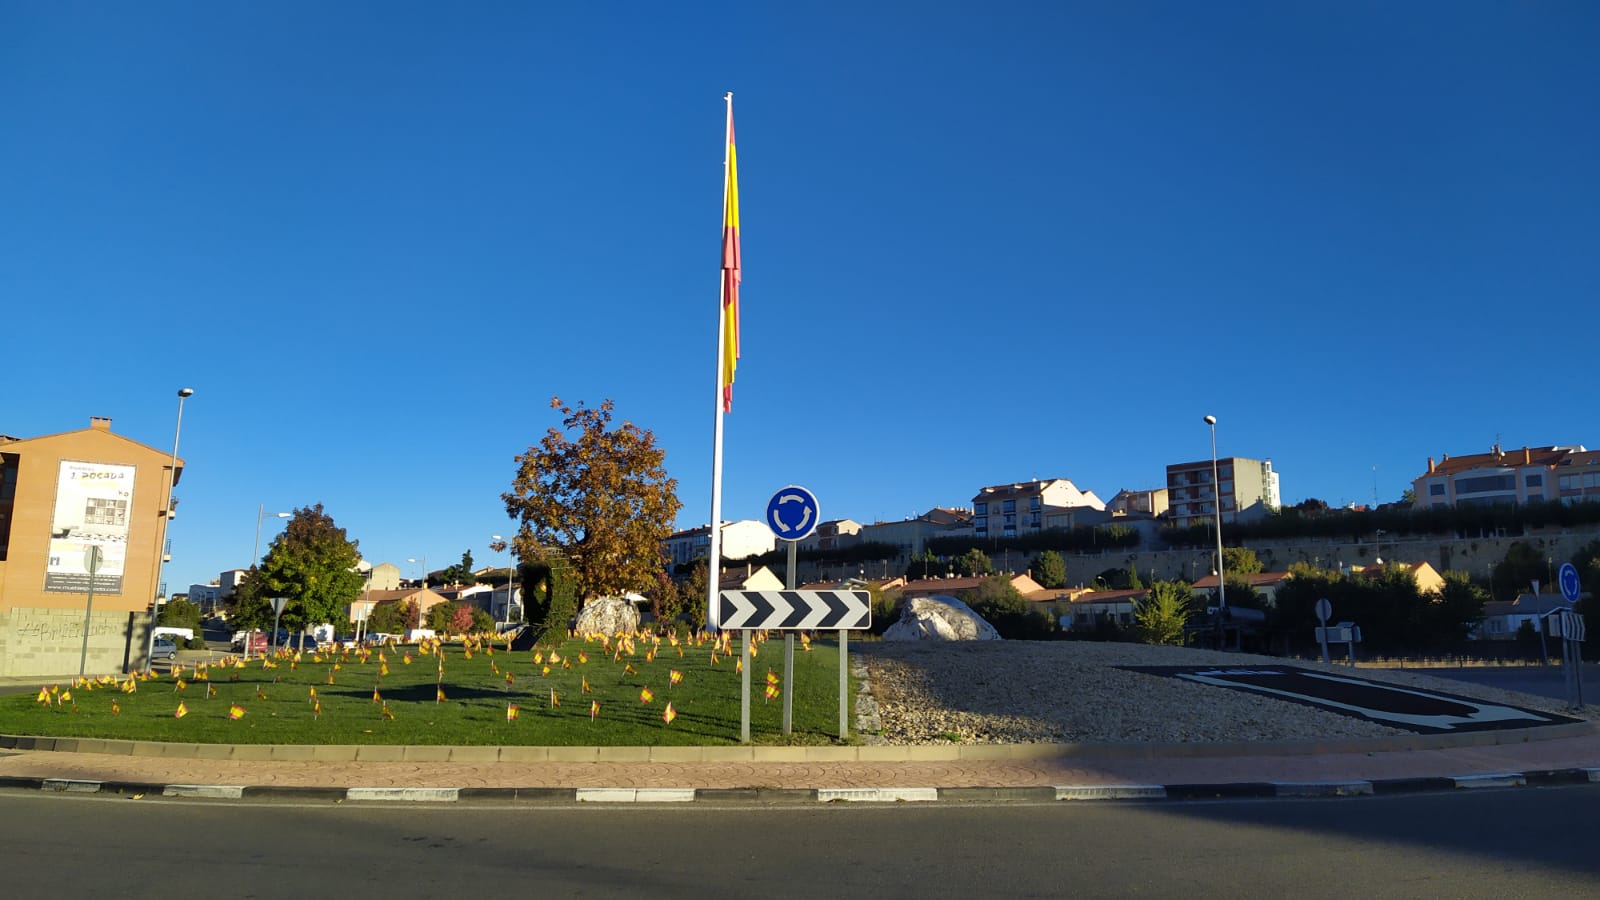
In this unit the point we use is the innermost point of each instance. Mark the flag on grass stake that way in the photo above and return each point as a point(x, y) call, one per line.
point(511, 712)
point(181, 711)
point(586, 688)
point(116, 708)
point(235, 712)
point(674, 677)
point(594, 710)
point(645, 696)
point(669, 714)
point(555, 699)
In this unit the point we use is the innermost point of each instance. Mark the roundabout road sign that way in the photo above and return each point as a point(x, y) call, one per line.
point(792, 513)
point(1570, 586)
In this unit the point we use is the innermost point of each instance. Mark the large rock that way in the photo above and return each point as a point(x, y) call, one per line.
point(939, 618)
point(608, 615)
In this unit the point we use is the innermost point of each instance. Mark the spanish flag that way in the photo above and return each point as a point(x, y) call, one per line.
point(645, 696)
point(674, 677)
point(728, 340)
point(235, 712)
point(669, 714)
point(594, 710)
point(511, 712)
point(181, 711)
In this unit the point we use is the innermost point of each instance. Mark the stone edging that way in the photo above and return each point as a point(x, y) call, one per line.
point(1288, 790)
point(752, 754)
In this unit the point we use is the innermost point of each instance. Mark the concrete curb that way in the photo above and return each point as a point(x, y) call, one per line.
point(1253, 790)
point(806, 754)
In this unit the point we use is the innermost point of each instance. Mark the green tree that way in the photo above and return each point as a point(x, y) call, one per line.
point(460, 573)
point(1049, 569)
point(1001, 605)
point(1456, 611)
point(1241, 561)
point(481, 620)
point(973, 562)
point(1134, 582)
point(387, 618)
point(1160, 616)
point(1515, 574)
point(312, 564)
point(600, 500)
point(440, 616)
point(923, 566)
point(180, 614)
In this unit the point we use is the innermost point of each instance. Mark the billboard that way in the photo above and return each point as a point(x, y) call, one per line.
point(94, 502)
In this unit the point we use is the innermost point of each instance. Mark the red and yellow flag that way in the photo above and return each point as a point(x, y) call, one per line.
point(511, 712)
point(235, 712)
point(645, 696)
point(728, 340)
point(594, 710)
point(555, 699)
point(674, 677)
point(586, 687)
point(181, 711)
point(669, 714)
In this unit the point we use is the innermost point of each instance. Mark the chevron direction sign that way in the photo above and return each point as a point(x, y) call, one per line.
point(772, 610)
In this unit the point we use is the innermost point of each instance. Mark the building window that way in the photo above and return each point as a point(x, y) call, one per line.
point(1534, 480)
point(981, 508)
point(1484, 484)
point(1436, 490)
point(1009, 506)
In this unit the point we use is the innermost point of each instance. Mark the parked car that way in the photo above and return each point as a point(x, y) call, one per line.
point(163, 648)
point(258, 641)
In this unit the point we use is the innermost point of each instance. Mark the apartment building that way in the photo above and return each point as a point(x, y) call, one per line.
point(1248, 490)
point(1528, 475)
point(1008, 510)
point(740, 540)
point(914, 532)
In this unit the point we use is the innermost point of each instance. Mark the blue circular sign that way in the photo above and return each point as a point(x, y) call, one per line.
point(792, 513)
point(1570, 586)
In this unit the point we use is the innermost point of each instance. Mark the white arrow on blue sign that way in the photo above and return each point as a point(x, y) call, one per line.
point(1570, 586)
point(792, 513)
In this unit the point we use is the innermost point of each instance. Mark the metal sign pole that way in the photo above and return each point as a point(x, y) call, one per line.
point(744, 685)
point(844, 682)
point(91, 561)
point(788, 651)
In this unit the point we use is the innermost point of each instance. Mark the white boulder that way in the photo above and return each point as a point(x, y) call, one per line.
point(608, 615)
point(939, 618)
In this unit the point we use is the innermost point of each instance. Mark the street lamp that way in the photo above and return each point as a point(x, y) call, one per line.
point(166, 511)
point(255, 554)
point(511, 573)
point(1216, 496)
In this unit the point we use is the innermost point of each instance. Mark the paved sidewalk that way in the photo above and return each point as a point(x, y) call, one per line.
point(1566, 754)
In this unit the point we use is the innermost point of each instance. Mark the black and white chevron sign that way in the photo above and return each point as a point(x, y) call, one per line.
point(831, 610)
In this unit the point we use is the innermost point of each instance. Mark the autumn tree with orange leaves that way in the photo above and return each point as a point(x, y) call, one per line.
point(594, 497)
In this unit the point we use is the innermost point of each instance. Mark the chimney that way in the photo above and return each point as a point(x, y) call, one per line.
point(100, 423)
point(1431, 467)
point(1527, 456)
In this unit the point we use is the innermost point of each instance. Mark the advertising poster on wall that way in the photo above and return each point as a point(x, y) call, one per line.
point(93, 505)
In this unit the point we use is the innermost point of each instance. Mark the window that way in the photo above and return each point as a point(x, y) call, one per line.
point(1484, 484)
point(1009, 506)
point(1534, 480)
point(981, 508)
point(1435, 490)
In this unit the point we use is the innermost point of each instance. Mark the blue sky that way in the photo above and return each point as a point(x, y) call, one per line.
point(982, 243)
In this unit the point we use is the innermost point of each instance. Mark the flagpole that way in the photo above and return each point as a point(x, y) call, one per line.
point(714, 561)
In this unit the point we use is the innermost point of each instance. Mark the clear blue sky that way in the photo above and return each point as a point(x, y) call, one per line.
point(982, 243)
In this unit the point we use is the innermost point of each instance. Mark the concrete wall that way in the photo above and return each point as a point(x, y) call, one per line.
point(48, 642)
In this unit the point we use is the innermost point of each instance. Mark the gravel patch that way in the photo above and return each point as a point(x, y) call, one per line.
point(1011, 692)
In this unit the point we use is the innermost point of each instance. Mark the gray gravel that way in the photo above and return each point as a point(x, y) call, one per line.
point(1010, 692)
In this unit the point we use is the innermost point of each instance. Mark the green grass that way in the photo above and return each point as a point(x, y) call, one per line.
point(474, 711)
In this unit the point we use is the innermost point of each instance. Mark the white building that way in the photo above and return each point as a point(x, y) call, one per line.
point(740, 540)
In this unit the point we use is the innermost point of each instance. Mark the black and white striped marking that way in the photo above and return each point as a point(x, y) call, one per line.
point(804, 610)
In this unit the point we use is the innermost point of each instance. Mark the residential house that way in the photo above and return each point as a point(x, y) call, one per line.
point(1429, 581)
point(425, 598)
point(1008, 510)
point(1152, 501)
point(914, 532)
point(740, 540)
point(1248, 489)
point(832, 535)
point(1529, 475)
point(1503, 618)
point(1086, 610)
point(746, 578)
point(383, 577)
point(922, 587)
point(1265, 584)
point(206, 596)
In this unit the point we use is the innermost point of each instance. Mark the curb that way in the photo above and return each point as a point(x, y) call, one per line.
point(1245, 790)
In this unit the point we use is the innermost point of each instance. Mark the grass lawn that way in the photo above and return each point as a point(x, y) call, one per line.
point(279, 707)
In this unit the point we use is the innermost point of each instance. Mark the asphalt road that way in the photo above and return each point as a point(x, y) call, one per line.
point(1522, 843)
point(1542, 681)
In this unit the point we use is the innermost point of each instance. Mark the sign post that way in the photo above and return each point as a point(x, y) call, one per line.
point(792, 515)
point(91, 561)
point(1572, 633)
point(1324, 610)
point(278, 603)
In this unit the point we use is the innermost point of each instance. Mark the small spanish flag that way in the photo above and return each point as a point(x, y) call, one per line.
point(316, 709)
point(116, 708)
point(582, 657)
point(628, 669)
point(406, 658)
point(538, 657)
point(440, 698)
point(180, 685)
point(645, 696)
point(376, 697)
point(586, 688)
point(594, 710)
point(44, 696)
point(772, 677)
point(772, 692)
point(805, 643)
point(669, 714)
point(181, 711)
point(555, 699)
point(383, 669)
point(738, 664)
point(674, 677)
point(211, 691)
point(235, 712)
point(510, 679)
point(313, 693)
point(386, 713)
point(511, 712)
point(554, 657)
point(260, 694)
point(544, 670)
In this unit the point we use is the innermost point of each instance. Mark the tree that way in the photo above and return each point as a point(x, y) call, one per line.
point(1049, 569)
point(1135, 583)
point(460, 573)
point(924, 566)
point(1001, 605)
point(1160, 616)
point(973, 562)
point(387, 618)
point(601, 501)
point(180, 614)
point(1241, 561)
point(440, 616)
point(312, 564)
point(1515, 574)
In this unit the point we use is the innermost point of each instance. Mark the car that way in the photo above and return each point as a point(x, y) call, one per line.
point(258, 641)
point(163, 648)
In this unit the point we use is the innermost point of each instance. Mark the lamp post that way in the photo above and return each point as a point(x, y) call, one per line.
point(511, 573)
point(166, 512)
point(255, 554)
point(1222, 574)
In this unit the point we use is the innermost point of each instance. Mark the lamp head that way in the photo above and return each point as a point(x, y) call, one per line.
point(1211, 420)
point(185, 393)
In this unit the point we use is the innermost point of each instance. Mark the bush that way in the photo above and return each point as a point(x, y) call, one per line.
point(195, 643)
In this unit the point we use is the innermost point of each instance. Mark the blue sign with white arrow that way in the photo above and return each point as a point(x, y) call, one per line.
point(792, 513)
point(1570, 586)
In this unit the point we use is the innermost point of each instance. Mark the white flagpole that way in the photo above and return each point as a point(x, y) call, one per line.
point(714, 561)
